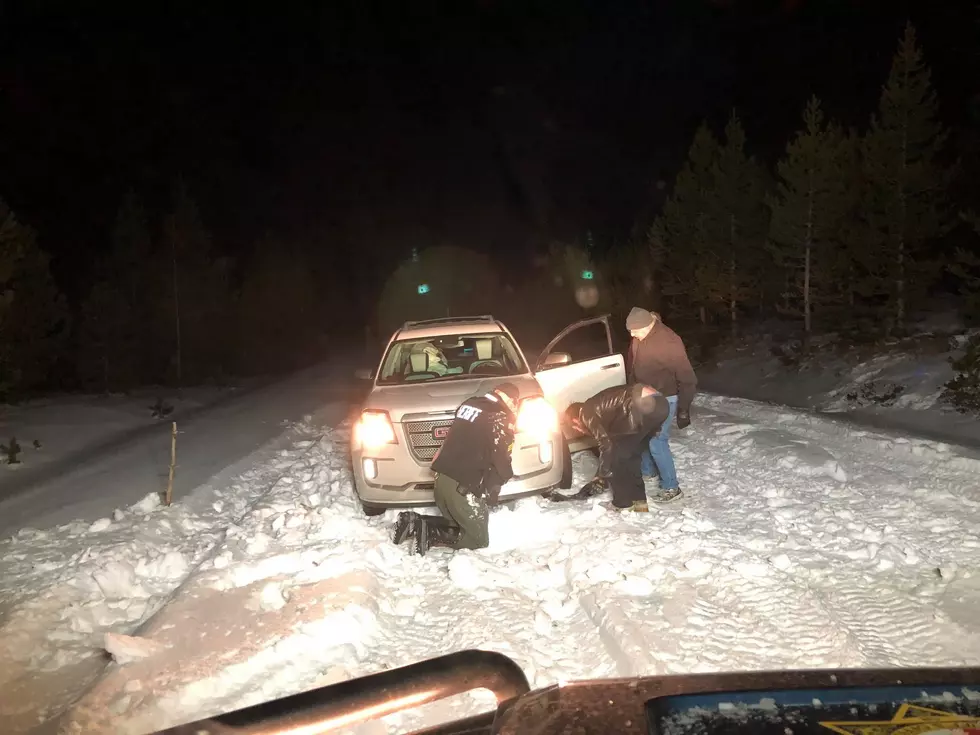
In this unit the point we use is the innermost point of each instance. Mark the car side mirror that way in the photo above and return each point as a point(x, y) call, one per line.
point(364, 374)
point(556, 358)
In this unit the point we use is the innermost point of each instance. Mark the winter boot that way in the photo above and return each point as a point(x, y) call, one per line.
point(667, 496)
point(404, 526)
point(434, 531)
point(443, 535)
point(420, 536)
point(640, 506)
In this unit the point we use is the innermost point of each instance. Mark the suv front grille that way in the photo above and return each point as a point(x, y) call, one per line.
point(422, 440)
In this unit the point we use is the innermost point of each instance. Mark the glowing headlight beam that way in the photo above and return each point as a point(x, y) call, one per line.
point(537, 417)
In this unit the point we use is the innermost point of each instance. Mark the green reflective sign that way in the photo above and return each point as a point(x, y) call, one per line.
point(423, 288)
point(587, 275)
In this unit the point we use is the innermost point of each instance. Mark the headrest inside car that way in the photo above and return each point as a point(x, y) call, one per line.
point(420, 362)
point(484, 349)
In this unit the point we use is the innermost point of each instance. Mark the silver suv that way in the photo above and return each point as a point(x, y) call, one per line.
point(430, 367)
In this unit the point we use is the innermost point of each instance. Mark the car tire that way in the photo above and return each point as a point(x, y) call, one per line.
point(566, 467)
point(373, 510)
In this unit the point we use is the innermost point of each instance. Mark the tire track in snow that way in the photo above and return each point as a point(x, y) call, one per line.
point(858, 550)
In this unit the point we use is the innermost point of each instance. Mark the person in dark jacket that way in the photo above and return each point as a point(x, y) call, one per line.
point(657, 358)
point(471, 466)
point(620, 419)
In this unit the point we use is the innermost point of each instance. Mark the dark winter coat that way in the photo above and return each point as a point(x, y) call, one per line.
point(611, 413)
point(477, 450)
point(660, 360)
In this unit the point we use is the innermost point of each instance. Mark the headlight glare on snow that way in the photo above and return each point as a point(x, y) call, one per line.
point(537, 417)
point(374, 430)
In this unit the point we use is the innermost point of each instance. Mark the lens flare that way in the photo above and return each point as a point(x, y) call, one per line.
point(537, 417)
point(374, 430)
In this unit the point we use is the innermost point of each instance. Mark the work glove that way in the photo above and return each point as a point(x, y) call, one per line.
point(488, 492)
point(683, 419)
point(595, 487)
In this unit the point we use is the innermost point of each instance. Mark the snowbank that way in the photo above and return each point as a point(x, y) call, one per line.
point(897, 387)
point(799, 543)
point(63, 589)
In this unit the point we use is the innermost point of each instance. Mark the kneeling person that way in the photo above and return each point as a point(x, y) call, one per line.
point(621, 420)
point(472, 465)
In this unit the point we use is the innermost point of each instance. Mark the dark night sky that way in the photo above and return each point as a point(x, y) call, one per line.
point(396, 122)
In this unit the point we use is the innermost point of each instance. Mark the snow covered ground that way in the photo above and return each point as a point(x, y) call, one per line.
point(895, 386)
point(68, 427)
point(801, 542)
point(120, 465)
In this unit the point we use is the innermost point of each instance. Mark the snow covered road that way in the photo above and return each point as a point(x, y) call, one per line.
point(127, 467)
point(800, 543)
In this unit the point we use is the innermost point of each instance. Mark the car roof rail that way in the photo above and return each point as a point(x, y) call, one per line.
point(449, 320)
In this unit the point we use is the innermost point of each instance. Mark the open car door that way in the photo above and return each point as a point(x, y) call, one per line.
point(579, 363)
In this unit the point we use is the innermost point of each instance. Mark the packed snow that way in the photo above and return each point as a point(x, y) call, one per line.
point(801, 541)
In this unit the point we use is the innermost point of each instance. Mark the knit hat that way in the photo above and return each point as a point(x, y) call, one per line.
point(639, 319)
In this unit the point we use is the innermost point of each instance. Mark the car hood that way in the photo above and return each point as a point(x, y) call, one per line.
point(441, 396)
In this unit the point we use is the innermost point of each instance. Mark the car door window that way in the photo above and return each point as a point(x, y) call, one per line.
point(582, 342)
point(592, 366)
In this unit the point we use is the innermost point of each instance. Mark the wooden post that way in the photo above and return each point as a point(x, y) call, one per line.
point(173, 464)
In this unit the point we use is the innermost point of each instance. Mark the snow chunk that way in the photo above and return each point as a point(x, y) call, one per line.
point(149, 503)
point(782, 562)
point(273, 597)
point(635, 587)
point(100, 525)
point(172, 565)
point(698, 567)
point(127, 649)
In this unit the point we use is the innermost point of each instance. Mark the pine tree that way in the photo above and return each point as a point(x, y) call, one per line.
point(276, 309)
point(966, 268)
point(809, 207)
point(906, 183)
point(117, 345)
point(739, 223)
point(33, 314)
point(132, 248)
point(853, 231)
point(13, 240)
point(680, 237)
point(198, 302)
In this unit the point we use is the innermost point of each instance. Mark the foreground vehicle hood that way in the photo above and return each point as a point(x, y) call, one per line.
point(440, 395)
point(897, 700)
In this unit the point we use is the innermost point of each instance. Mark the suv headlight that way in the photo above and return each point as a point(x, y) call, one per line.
point(374, 430)
point(537, 417)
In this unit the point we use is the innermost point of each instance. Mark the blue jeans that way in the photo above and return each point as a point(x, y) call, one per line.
point(659, 452)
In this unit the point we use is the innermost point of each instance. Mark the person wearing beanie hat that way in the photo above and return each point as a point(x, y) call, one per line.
point(639, 319)
point(657, 357)
point(471, 466)
point(620, 419)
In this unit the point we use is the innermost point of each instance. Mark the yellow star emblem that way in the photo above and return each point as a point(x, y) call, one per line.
point(909, 720)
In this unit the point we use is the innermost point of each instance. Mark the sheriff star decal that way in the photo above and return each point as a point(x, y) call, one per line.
point(911, 720)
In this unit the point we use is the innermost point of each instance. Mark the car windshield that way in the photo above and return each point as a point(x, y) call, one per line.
point(450, 356)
